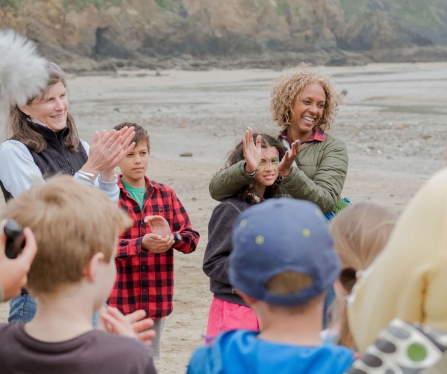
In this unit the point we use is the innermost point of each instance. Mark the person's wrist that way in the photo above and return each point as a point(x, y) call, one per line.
point(177, 237)
point(284, 173)
point(87, 169)
point(249, 171)
point(87, 176)
point(107, 175)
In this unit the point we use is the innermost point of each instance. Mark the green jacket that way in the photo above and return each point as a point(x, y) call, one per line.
point(319, 177)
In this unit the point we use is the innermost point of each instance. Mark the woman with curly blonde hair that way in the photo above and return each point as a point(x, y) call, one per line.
point(304, 104)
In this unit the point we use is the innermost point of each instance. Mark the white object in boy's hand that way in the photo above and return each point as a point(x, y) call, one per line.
point(158, 225)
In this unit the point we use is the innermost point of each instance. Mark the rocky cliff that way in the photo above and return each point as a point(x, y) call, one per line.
point(87, 34)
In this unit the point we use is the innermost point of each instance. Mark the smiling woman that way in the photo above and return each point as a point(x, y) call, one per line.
point(43, 141)
point(304, 104)
point(51, 108)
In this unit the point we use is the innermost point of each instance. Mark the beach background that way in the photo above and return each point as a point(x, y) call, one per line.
point(393, 125)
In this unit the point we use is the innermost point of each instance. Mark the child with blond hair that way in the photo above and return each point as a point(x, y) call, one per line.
point(360, 233)
point(76, 229)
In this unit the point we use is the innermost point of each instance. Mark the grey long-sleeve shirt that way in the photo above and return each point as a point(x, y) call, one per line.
point(18, 170)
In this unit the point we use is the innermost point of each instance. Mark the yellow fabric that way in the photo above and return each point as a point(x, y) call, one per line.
point(409, 278)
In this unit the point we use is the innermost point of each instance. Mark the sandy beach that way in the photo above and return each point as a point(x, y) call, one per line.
point(393, 126)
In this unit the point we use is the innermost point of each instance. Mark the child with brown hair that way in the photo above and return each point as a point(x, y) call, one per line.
point(145, 257)
point(228, 310)
point(360, 233)
point(76, 229)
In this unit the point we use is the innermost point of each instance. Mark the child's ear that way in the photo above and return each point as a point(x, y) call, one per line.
point(340, 291)
point(92, 268)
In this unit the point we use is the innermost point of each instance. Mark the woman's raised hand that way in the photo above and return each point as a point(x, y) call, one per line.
point(107, 150)
point(252, 152)
point(285, 166)
point(124, 146)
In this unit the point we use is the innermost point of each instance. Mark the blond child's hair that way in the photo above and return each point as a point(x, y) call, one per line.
point(289, 282)
point(360, 233)
point(71, 222)
point(288, 87)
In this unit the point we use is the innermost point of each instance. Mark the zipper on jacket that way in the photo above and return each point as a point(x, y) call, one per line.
point(71, 168)
point(61, 148)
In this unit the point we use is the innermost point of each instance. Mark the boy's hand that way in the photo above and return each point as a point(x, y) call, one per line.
point(13, 273)
point(158, 225)
point(157, 244)
point(133, 325)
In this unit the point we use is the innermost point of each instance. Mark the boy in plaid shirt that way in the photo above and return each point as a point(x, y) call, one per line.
point(145, 256)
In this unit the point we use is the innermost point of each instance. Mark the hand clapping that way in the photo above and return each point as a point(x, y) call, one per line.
point(160, 239)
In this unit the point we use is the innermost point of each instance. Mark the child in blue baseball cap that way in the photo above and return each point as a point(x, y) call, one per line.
point(282, 264)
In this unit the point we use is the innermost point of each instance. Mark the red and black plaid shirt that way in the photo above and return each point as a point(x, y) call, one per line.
point(145, 280)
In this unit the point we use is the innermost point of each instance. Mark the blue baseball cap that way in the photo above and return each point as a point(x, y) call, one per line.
point(277, 236)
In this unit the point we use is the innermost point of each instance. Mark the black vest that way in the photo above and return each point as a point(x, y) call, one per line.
point(57, 158)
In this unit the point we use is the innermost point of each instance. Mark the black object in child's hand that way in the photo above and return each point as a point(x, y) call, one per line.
point(15, 240)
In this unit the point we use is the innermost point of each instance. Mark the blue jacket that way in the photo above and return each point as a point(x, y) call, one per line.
point(240, 351)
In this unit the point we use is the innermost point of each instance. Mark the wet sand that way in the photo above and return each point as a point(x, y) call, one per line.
point(394, 128)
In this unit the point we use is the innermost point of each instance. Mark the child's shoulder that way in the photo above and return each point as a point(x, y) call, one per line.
point(116, 350)
point(160, 186)
point(123, 343)
point(235, 203)
point(87, 349)
point(245, 348)
point(8, 329)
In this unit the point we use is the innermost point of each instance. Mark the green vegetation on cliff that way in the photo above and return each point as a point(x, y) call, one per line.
point(283, 9)
point(422, 13)
point(80, 5)
point(353, 8)
point(10, 5)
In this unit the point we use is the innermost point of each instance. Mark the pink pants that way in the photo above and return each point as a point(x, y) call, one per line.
point(226, 316)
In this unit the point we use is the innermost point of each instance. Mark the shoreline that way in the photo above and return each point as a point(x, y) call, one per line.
point(394, 145)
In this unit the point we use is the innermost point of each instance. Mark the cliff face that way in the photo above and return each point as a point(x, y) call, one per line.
point(128, 29)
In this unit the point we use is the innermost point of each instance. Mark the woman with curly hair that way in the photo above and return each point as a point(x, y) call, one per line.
point(228, 311)
point(304, 104)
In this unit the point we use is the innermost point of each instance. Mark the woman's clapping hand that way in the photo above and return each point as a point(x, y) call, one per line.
point(107, 150)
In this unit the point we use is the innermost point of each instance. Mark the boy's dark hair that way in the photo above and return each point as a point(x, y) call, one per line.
point(140, 133)
point(248, 192)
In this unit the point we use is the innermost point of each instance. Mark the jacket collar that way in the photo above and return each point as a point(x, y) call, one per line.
point(46, 132)
point(149, 185)
point(317, 135)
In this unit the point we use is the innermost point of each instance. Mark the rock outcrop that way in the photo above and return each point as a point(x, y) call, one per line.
point(105, 34)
